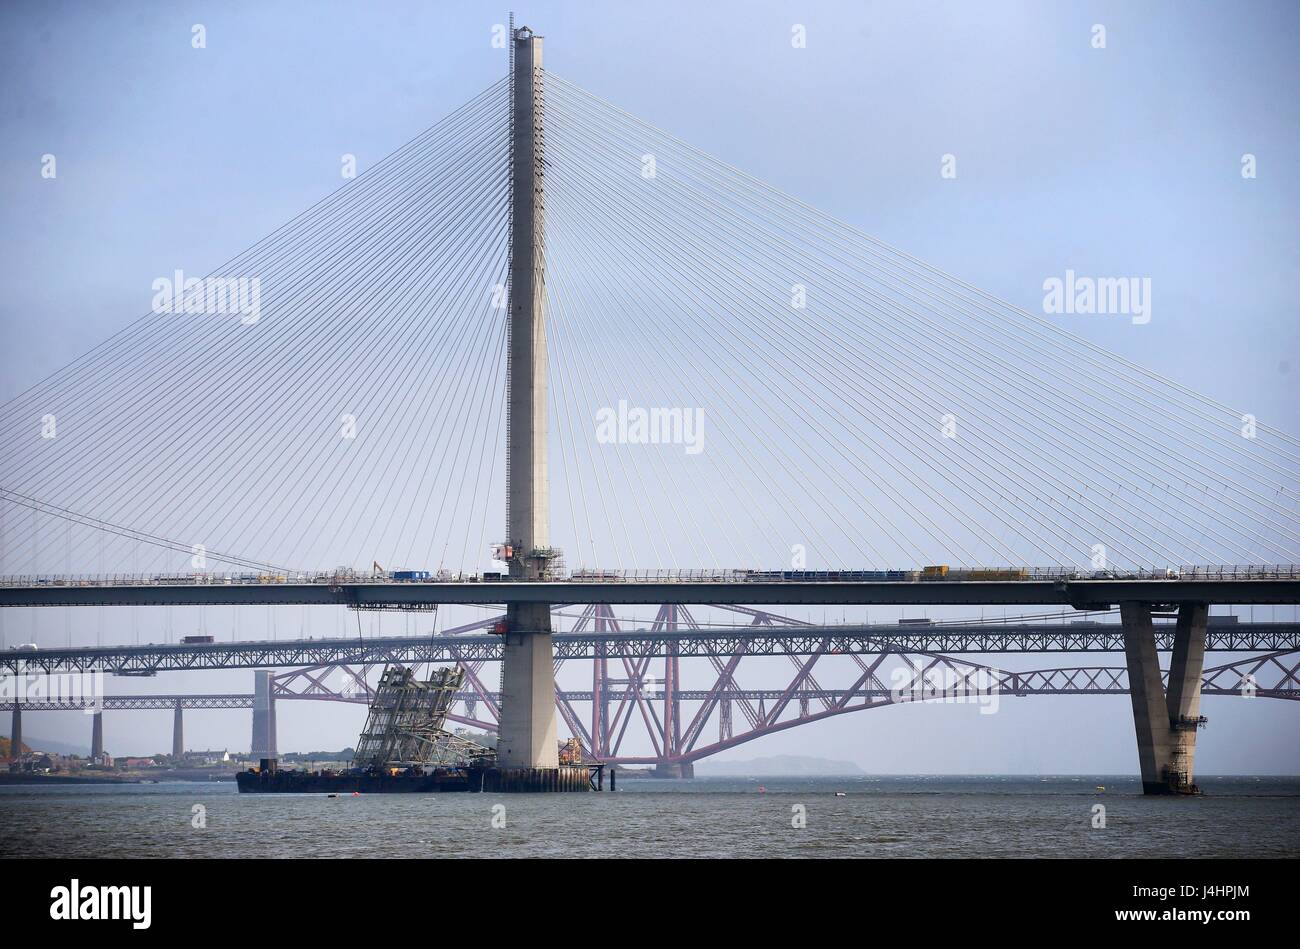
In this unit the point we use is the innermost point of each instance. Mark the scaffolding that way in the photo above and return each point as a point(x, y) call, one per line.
point(405, 726)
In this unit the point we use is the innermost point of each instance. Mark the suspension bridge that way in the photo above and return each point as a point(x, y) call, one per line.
point(659, 368)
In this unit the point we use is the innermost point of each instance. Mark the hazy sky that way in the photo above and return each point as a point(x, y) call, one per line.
point(1123, 160)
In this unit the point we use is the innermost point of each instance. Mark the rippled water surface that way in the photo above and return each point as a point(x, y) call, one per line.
point(876, 817)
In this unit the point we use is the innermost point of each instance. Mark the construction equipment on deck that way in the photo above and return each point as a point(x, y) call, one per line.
point(405, 725)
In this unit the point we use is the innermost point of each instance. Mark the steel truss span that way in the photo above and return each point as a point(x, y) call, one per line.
point(142, 703)
point(636, 676)
point(676, 732)
point(1082, 680)
point(674, 720)
point(702, 642)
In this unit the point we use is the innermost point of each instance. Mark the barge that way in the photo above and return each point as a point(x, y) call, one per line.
point(404, 748)
point(270, 779)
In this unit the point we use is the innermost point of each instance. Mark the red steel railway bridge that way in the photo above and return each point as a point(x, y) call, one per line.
point(636, 675)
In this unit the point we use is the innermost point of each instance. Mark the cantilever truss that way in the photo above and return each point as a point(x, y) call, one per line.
point(675, 718)
point(678, 737)
point(405, 724)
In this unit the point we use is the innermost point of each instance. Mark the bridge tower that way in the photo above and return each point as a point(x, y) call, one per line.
point(527, 736)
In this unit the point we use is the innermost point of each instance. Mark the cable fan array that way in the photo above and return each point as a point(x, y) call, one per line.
point(359, 418)
point(860, 407)
point(736, 379)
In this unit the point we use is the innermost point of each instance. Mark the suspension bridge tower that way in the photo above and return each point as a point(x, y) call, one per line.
point(527, 736)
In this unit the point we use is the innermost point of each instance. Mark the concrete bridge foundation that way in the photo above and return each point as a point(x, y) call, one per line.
point(674, 769)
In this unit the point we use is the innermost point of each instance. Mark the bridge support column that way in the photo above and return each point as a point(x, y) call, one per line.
point(527, 734)
point(263, 743)
point(1166, 722)
point(97, 736)
point(1183, 695)
point(16, 734)
point(178, 732)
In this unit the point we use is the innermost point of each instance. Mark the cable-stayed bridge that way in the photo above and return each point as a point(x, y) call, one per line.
point(658, 367)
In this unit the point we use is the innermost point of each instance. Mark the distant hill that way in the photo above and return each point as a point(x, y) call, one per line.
point(344, 755)
point(776, 766)
point(33, 743)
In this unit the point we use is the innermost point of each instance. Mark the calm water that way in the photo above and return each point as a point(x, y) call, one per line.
point(719, 817)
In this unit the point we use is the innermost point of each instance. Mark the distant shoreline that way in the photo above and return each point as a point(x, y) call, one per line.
point(782, 766)
point(30, 779)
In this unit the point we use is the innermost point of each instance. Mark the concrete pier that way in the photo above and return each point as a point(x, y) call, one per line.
point(263, 743)
point(97, 735)
point(674, 769)
point(1166, 722)
point(1183, 693)
point(178, 732)
point(16, 732)
point(528, 729)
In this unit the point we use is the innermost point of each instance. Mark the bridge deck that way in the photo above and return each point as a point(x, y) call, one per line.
point(1078, 593)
